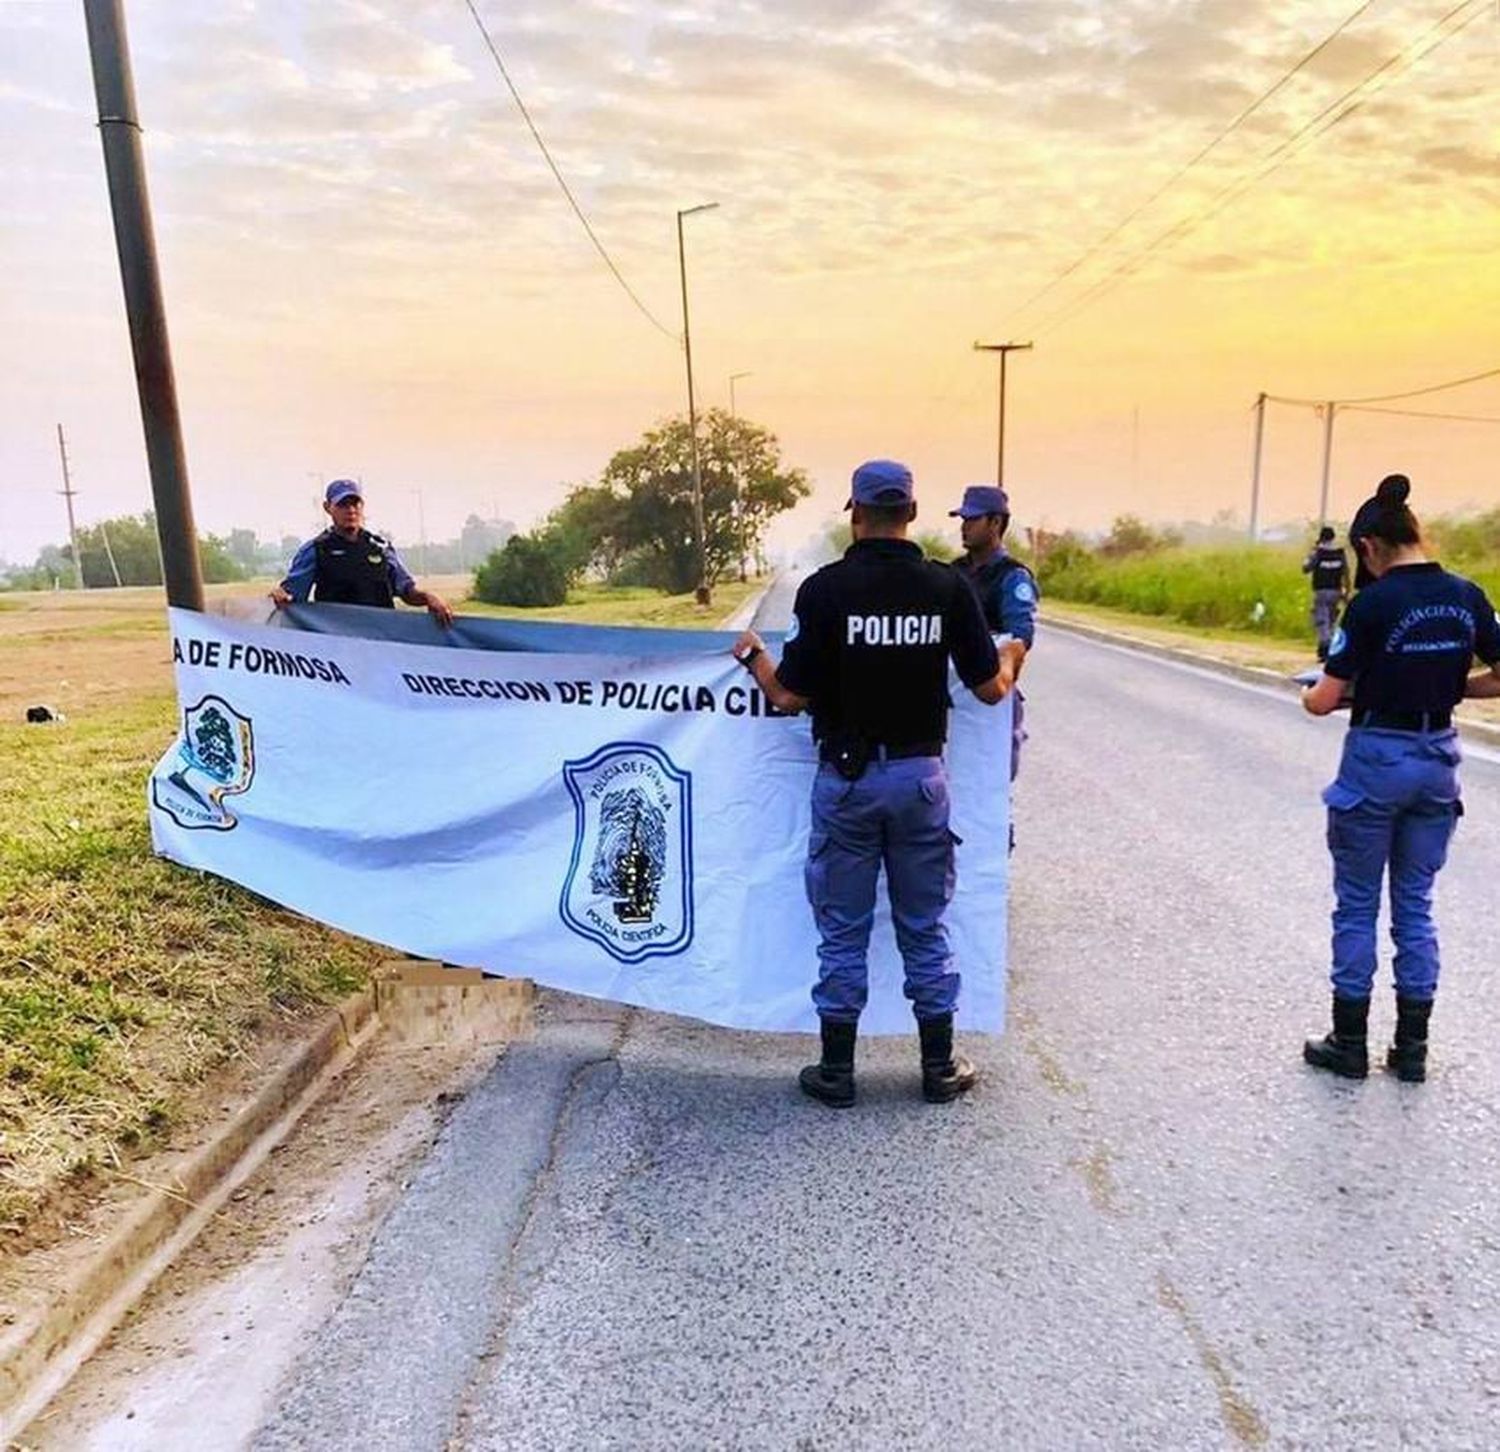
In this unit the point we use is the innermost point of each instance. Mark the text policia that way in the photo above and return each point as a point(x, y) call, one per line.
point(651, 697)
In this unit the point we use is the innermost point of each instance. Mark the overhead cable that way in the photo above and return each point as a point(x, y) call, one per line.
point(1422, 413)
point(1438, 34)
point(1202, 154)
point(567, 191)
point(1386, 397)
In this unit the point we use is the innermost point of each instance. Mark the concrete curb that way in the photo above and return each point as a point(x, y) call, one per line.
point(44, 1348)
point(1479, 731)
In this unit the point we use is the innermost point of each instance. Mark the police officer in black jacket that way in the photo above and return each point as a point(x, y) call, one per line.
point(1327, 567)
point(868, 651)
point(348, 565)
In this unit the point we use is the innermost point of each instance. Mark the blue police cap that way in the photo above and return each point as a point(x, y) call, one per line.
point(979, 500)
point(880, 481)
point(342, 489)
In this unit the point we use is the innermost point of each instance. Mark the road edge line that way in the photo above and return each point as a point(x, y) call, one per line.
point(742, 618)
point(1478, 731)
point(43, 1350)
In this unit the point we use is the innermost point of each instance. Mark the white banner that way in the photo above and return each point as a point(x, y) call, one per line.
point(629, 826)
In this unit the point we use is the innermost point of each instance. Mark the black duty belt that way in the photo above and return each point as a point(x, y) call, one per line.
point(879, 751)
point(1403, 720)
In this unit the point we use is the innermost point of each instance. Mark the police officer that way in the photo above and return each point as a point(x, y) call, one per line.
point(348, 565)
point(1328, 570)
point(1407, 643)
point(1007, 590)
point(868, 650)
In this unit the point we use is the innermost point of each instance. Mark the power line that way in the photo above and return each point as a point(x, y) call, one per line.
point(1432, 388)
point(1388, 397)
point(1408, 57)
point(1420, 413)
point(578, 211)
point(1219, 138)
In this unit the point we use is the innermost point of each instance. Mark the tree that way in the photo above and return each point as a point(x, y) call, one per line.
point(529, 571)
point(745, 485)
point(1131, 536)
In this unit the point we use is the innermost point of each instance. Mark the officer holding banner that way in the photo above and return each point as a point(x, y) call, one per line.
point(348, 565)
point(1006, 588)
point(868, 651)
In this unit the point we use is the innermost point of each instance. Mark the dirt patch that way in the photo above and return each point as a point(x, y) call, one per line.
point(211, 1341)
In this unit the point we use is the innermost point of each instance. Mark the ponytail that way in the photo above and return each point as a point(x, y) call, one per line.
point(1393, 523)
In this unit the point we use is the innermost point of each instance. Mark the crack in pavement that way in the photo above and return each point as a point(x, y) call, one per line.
point(1241, 1420)
point(592, 1081)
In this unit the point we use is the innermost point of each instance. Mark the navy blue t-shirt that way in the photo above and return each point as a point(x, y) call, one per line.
point(1408, 640)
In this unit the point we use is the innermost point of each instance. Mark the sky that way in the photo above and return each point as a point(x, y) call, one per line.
point(370, 271)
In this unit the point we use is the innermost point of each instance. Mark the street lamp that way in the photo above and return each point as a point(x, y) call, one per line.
point(1003, 349)
point(739, 487)
point(687, 348)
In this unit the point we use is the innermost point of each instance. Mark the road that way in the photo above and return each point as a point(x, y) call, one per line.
point(1151, 1226)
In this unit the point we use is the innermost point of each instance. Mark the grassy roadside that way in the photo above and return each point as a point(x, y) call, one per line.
point(1256, 592)
point(124, 980)
point(603, 605)
point(1238, 647)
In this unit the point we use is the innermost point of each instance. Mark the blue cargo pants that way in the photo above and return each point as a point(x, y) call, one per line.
point(1393, 809)
point(1325, 616)
point(896, 816)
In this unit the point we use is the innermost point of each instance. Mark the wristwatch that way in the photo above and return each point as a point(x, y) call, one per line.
point(748, 659)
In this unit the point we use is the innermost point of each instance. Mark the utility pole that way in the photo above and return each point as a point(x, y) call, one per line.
point(109, 554)
point(67, 492)
point(1004, 350)
point(1260, 439)
point(702, 592)
point(135, 242)
point(739, 484)
point(1330, 409)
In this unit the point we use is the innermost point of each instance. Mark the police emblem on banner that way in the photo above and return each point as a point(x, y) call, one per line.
point(630, 881)
point(215, 759)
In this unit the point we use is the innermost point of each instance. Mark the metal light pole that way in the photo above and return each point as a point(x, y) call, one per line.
point(135, 242)
point(1003, 349)
point(739, 483)
point(702, 592)
point(1332, 408)
point(1260, 439)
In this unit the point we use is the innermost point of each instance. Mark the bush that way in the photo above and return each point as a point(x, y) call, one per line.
point(532, 570)
point(1200, 587)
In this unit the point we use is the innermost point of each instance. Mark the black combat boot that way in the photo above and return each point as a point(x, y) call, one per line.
point(1343, 1052)
point(1407, 1057)
point(945, 1075)
point(831, 1080)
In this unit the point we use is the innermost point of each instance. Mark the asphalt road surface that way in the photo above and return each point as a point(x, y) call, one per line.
point(1151, 1226)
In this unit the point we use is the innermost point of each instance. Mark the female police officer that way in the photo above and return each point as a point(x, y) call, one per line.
point(1407, 643)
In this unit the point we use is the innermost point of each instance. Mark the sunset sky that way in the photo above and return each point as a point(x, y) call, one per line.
point(370, 271)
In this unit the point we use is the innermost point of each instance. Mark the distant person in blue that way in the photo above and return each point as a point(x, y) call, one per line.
point(868, 650)
point(348, 565)
point(1407, 646)
point(1327, 567)
point(1007, 590)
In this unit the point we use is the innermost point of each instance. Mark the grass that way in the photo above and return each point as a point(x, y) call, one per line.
point(1216, 588)
point(125, 980)
point(612, 605)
